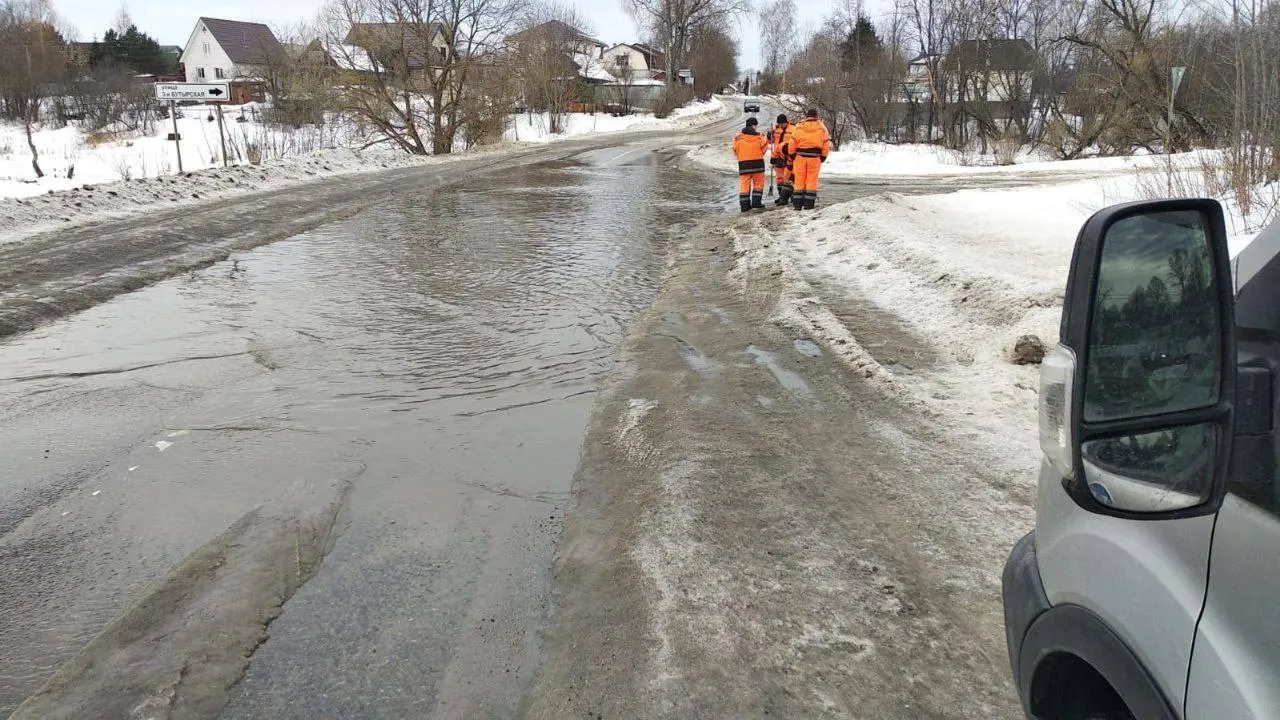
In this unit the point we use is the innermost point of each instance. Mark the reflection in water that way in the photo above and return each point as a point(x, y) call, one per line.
point(516, 291)
point(413, 324)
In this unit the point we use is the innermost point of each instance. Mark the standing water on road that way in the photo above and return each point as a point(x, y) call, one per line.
point(426, 366)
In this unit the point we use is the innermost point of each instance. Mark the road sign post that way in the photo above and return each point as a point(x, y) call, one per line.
point(177, 139)
point(222, 134)
point(1175, 79)
point(199, 92)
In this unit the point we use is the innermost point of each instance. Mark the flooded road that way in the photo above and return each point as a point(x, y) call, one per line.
point(402, 392)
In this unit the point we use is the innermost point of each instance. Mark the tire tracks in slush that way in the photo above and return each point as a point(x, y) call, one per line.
point(739, 546)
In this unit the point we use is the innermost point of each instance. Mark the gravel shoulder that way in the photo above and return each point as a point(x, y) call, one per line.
point(763, 525)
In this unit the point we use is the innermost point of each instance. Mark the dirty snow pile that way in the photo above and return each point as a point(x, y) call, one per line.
point(966, 274)
point(536, 127)
point(20, 216)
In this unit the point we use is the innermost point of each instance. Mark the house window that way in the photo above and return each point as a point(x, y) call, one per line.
point(218, 73)
point(206, 48)
point(200, 73)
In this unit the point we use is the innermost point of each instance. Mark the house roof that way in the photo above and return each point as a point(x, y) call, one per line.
point(245, 43)
point(993, 55)
point(373, 35)
point(556, 28)
point(649, 50)
point(926, 57)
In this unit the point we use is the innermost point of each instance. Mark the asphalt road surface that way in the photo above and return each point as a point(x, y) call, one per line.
point(310, 455)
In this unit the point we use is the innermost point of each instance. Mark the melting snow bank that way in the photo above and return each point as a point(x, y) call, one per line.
point(91, 202)
point(964, 274)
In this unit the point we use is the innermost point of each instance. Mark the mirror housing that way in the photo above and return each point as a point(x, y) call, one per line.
point(1193, 387)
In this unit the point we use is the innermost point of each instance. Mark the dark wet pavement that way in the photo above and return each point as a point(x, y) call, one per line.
point(438, 352)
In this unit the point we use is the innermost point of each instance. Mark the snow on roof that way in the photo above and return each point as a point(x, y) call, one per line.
point(592, 69)
point(351, 57)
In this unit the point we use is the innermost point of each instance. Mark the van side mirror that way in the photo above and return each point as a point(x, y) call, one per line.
point(1137, 402)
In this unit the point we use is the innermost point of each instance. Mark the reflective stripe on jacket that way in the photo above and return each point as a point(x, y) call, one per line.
point(748, 148)
point(781, 140)
point(810, 139)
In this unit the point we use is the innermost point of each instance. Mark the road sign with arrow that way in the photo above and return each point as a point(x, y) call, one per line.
point(201, 92)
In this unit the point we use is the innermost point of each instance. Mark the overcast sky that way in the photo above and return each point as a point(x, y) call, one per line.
point(171, 21)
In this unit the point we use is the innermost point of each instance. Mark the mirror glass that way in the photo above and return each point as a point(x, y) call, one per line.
point(1152, 472)
point(1155, 344)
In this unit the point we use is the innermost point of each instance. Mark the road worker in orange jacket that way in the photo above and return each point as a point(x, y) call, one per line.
point(810, 145)
point(749, 147)
point(780, 159)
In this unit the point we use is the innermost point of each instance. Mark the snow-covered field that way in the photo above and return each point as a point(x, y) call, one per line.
point(881, 160)
point(964, 273)
point(91, 177)
point(71, 158)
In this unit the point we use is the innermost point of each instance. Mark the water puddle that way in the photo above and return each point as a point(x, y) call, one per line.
point(789, 380)
point(449, 340)
point(808, 348)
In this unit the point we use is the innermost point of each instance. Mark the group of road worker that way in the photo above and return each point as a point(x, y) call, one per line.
point(796, 153)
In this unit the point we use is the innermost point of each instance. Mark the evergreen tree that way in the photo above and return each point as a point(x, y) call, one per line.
point(133, 49)
point(862, 44)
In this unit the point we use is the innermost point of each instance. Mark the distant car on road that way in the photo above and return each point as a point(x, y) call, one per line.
point(1160, 429)
point(751, 105)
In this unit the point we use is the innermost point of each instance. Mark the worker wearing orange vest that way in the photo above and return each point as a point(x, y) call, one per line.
point(779, 158)
point(810, 145)
point(749, 147)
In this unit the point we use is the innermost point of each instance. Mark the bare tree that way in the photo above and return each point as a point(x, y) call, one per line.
point(625, 75)
point(549, 56)
point(33, 64)
point(814, 81)
point(408, 66)
point(484, 112)
point(713, 58)
point(303, 76)
point(777, 35)
point(672, 23)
